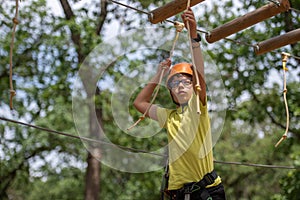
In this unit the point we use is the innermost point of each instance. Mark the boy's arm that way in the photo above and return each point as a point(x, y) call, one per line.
point(143, 99)
point(188, 16)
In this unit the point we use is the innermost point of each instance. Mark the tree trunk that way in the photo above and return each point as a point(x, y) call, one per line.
point(92, 181)
point(92, 186)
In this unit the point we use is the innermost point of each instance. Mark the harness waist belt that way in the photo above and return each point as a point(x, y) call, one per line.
point(208, 179)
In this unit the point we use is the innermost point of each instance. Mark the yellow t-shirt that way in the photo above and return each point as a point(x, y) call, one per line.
point(190, 144)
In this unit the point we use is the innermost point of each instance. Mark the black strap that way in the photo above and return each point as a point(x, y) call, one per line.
point(198, 39)
point(164, 184)
point(192, 187)
point(208, 179)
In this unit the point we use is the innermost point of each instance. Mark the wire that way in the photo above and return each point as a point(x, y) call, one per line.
point(76, 137)
point(256, 165)
point(295, 10)
point(127, 6)
point(137, 150)
point(296, 57)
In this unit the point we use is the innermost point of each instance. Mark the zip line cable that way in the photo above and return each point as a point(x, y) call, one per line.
point(127, 6)
point(256, 165)
point(76, 137)
point(137, 150)
point(295, 10)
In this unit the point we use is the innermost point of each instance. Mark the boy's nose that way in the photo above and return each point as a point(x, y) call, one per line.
point(180, 84)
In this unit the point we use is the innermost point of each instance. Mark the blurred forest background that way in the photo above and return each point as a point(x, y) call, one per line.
point(52, 43)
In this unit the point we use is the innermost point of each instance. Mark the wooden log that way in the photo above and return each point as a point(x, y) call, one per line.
point(247, 20)
point(277, 42)
point(170, 9)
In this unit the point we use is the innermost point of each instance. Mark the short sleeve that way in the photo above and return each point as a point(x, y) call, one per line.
point(162, 116)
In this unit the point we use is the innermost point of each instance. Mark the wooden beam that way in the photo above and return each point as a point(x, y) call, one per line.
point(278, 41)
point(170, 9)
point(247, 20)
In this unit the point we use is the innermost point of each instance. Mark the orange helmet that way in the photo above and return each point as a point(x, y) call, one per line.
point(185, 68)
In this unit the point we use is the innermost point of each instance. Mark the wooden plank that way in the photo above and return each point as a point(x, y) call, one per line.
point(278, 41)
point(170, 9)
point(247, 20)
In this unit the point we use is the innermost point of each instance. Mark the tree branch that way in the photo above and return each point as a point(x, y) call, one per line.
point(75, 34)
point(102, 16)
point(10, 176)
point(67, 9)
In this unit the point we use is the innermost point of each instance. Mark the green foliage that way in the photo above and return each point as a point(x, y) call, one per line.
point(68, 184)
point(130, 186)
point(290, 183)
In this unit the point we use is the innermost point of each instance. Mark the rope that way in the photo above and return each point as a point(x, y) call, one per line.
point(15, 22)
point(151, 103)
point(197, 85)
point(137, 150)
point(179, 27)
point(284, 60)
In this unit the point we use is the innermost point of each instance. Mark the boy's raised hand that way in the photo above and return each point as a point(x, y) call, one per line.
point(188, 17)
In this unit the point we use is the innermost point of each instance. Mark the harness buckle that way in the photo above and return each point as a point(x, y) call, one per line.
point(187, 191)
point(187, 196)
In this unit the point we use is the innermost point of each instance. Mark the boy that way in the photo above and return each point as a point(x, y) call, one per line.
point(191, 171)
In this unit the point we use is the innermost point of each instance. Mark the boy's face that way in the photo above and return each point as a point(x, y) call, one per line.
point(182, 88)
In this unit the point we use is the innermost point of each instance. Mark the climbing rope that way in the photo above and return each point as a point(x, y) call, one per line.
point(197, 85)
point(179, 27)
point(284, 60)
point(15, 22)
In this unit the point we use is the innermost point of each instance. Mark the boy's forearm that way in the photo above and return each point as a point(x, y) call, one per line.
point(146, 93)
point(198, 58)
